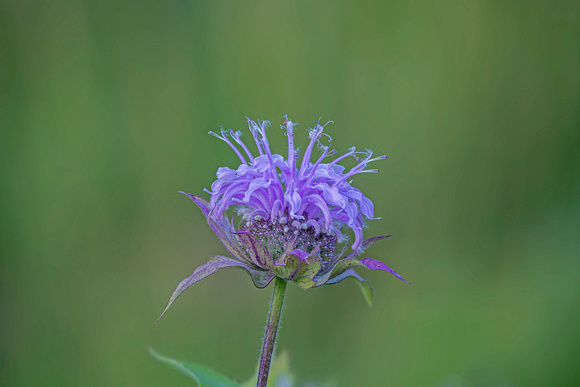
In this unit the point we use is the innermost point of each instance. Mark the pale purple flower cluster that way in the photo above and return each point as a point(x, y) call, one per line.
point(316, 195)
point(290, 219)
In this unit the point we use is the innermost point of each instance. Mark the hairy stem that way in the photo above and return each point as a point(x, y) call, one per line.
point(271, 329)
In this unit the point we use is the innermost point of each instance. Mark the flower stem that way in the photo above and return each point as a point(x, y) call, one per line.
point(271, 329)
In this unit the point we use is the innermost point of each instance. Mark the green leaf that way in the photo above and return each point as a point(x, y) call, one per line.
point(307, 271)
point(205, 377)
point(366, 289)
point(290, 266)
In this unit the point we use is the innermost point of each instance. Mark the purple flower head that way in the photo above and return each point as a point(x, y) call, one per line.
point(290, 215)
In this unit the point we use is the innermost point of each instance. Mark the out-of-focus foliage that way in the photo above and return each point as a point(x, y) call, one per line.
point(203, 376)
point(104, 112)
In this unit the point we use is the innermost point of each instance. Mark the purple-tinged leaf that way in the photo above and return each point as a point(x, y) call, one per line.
point(227, 239)
point(219, 228)
point(201, 203)
point(336, 270)
point(373, 264)
point(365, 245)
point(216, 263)
point(260, 256)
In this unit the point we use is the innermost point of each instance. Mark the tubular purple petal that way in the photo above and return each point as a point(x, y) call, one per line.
point(317, 197)
point(320, 203)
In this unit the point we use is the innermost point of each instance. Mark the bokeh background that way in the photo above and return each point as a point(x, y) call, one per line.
point(105, 108)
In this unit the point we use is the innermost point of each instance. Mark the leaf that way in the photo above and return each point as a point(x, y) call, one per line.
point(289, 267)
point(201, 203)
point(201, 272)
point(261, 278)
point(367, 290)
point(221, 229)
point(364, 285)
point(343, 266)
point(373, 264)
point(260, 256)
point(346, 262)
point(205, 377)
point(307, 271)
point(365, 245)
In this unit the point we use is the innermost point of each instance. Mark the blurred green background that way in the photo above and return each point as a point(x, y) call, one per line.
point(104, 112)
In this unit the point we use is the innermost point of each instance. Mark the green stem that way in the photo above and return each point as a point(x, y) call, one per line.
point(271, 329)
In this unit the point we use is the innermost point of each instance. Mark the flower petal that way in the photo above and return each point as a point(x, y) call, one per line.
point(255, 184)
point(201, 272)
point(295, 201)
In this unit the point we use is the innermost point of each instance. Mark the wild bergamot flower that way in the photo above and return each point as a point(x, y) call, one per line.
point(289, 215)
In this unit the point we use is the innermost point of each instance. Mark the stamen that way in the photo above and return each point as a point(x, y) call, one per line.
point(329, 122)
point(327, 135)
point(253, 129)
point(224, 138)
point(236, 136)
point(291, 153)
point(314, 134)
point(359, 168)
point(351, 151)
